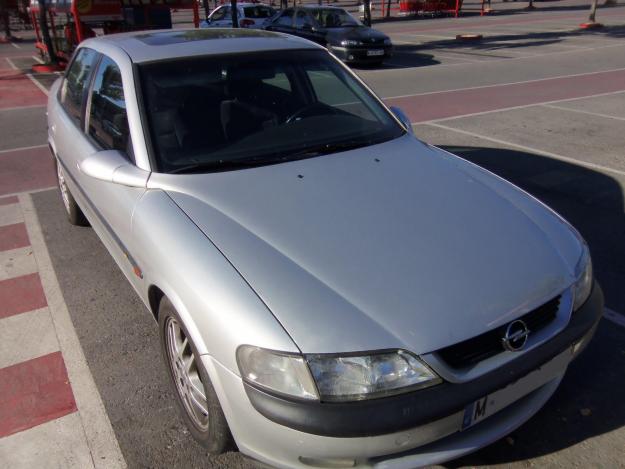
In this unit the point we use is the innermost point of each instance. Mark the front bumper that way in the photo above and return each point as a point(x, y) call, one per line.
point(360, 54)
point(400, 431)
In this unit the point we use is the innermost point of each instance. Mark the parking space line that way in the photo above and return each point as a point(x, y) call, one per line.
point(11, 64)
point(528, 149)
point(581, 111)
point(100, 437)
point(522, 106)
point(495, 85)
point(614, 317)
point(19, 108)
point(9, 150)
point(43, 89)
point(32, 191)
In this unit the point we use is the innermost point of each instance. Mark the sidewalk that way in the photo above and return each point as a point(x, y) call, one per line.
point(51, 414)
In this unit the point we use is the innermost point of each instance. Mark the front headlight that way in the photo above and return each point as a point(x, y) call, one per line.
point(350, 42)
point(583, 284)
point(349, 378)
point(276, 371)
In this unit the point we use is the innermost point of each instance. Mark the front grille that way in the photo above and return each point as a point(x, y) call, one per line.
point(481, 347)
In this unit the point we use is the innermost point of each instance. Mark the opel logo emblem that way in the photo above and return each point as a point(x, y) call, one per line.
point(515, 337)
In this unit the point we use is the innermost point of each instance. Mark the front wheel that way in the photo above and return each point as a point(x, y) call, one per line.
point(195, 394)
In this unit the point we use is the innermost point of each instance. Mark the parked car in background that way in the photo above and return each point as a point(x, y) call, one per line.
point(329, 290)
point(250, 15)
point(334, 28)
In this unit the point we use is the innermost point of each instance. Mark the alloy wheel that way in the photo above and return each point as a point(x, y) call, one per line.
point(184, 367)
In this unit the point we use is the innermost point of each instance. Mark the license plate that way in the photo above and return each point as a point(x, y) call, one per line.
point(375, 52)
point(492, 403)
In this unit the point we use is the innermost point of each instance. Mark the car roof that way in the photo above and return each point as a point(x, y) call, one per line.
point(149, 46)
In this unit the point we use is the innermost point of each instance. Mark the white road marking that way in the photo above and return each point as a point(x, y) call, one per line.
point(38, 59)
point(9, 150)
point(521, 106)
point(615, 317)
point(10, 214)
point(529, 149)
point(15, 45)
point(37, 84)
point(496, 85)
point(11, 64)
point(26, 336)
point(33, 191)
point(18, 108)
point(99, 434)
point(581, 111)
point(16, 263)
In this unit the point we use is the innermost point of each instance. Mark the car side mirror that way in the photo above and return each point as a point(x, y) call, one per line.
point(403, 118)
point(113, 166)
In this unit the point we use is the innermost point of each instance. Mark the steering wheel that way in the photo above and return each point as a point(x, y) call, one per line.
point(314, 109)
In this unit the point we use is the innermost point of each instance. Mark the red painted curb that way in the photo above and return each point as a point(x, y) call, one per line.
point(21, 295)
point(9, 200)
point(47, 68)
point(591, 25)
point(13, 237)
point(34, 392)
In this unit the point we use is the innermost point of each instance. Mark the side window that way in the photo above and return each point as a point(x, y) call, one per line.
point(76, 81)
point(108, 123)
point(218, 14)
point(302, 19)
point(285, 19)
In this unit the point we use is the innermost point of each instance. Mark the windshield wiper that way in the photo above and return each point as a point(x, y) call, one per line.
point(215, 166)
point(308, 152)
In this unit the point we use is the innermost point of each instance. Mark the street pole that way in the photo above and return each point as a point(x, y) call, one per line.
point(45, 32)
point(235, 17)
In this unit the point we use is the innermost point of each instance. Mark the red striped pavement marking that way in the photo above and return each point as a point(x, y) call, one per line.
point(16, 89)
point(9, 200)
point(34, 392)
point(25, 170)
point(20, 295)
point(441, 105)
point(13, 237)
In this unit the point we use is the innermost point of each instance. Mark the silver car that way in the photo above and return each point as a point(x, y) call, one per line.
point(330, 291)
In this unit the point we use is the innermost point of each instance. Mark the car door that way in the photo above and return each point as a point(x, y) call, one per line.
point(304, 25)
point(103, 125)
point(283, 23)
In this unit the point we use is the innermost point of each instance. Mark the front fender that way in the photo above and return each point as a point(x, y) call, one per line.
point(218, 307)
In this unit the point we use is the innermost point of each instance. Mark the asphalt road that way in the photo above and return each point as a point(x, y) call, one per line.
point(537, 102)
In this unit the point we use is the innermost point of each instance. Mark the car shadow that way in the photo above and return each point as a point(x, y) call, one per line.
point(589, 402)
point(424, 54)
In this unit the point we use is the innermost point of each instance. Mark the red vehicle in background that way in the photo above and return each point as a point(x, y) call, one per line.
point(69, 22)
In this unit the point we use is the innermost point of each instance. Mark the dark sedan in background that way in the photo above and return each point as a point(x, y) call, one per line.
point(334, 28)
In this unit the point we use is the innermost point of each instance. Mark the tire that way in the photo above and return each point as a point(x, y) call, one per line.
point(73, 211)
point(189, 378)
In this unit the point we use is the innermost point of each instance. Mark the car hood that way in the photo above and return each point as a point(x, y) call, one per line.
point(360, 33)
point(397, 245)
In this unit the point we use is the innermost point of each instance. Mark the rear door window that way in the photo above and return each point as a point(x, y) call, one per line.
point(285, 19)
point(76, 82)
point(108, 122)
point(258, 11)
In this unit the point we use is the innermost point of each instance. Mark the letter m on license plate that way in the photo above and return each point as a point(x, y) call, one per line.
point(475, 412)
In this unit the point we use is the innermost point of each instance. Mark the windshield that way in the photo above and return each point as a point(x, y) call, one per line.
point(334, 18)
point(222, 112)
